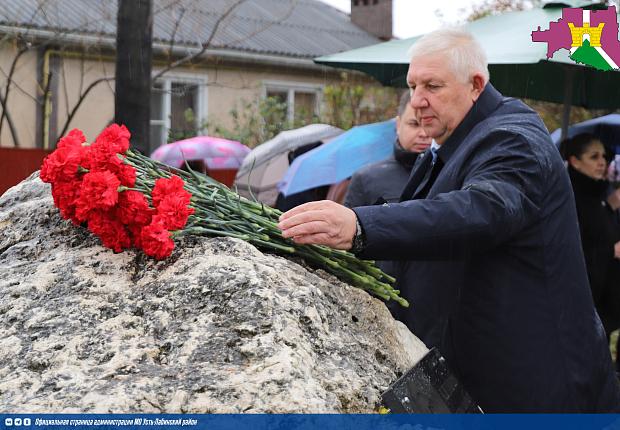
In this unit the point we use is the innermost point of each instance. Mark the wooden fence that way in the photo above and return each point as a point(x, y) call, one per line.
point(16, 164)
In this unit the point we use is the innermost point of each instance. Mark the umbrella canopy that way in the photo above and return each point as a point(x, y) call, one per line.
point(265, 165)
point(340, 158)
point(215, 152)
point(606, 128)
point(518, 66)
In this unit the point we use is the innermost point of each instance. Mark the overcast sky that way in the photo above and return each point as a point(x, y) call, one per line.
point(413, 17)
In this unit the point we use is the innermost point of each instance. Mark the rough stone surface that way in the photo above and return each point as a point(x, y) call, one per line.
point(217, 327)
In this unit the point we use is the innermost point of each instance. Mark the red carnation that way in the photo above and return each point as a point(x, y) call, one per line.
point(74, 138)
point(104, 153)
point(127, 175)
point(156, 240)
point(167, 186)
point(135, 232)
point(101, 159)
point(173, 211)
point(110, 230)
point(133, 208)
point(61, 165)
point(115, 137)
point(99, 191)
point(65, 196)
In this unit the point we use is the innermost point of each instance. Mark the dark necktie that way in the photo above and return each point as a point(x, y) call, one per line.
point(434, 155)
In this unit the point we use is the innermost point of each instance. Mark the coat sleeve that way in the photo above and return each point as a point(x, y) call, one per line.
point(498, 198)
point(356, 193)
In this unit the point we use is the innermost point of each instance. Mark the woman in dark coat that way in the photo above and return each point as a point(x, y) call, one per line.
point(600, 231)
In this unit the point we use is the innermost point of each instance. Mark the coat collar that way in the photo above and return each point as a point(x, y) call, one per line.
point(488, 101)
point(404, 157)
point(586, 186)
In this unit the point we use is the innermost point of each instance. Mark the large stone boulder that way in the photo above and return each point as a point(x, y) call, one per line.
point(217, 327)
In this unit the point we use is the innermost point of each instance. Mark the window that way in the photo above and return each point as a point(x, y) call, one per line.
point(302, 100)
point(305, 106)
point(177, 109)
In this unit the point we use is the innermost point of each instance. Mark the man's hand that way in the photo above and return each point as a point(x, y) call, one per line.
point(321, 223)
point(617, 250)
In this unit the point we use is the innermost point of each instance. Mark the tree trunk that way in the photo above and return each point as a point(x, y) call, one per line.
point(133, 70)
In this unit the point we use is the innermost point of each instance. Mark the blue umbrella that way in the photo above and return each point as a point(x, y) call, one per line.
point(338, 159)
point(606, 128)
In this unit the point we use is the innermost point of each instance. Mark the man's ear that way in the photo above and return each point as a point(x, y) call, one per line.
point(478, 83)
point(397, 122)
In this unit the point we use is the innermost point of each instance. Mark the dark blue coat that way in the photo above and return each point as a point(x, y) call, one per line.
point(495, 244)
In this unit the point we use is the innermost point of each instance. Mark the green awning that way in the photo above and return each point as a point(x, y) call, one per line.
point(518, 66)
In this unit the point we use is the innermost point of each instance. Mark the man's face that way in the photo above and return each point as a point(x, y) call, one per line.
point(439, 100)
point(411, 135)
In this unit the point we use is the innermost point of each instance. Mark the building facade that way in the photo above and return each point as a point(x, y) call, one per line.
point(58, 63)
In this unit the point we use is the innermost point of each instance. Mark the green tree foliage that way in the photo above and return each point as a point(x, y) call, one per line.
point(254, 122)
point(551, 113)
point(497, 7)
point(190, 129)
point(350, 102)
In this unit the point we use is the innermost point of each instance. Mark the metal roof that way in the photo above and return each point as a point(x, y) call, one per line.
point(292, 28)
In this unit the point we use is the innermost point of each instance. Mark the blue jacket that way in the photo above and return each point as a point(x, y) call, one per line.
point(493, 244)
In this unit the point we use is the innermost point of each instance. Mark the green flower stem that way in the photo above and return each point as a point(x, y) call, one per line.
point(208, 231)
point(222, 212)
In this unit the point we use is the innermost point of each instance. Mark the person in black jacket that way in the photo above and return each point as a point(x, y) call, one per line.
point(487, 230)
point(600, 231)
point(384, 181)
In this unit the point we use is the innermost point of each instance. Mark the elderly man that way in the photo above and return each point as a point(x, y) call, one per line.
point(490, 217)
point(386, 179)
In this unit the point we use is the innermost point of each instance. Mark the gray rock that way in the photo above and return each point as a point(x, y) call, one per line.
point(217, 327)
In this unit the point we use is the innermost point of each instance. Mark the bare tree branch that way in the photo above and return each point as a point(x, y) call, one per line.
point(4, 99)
point(19, 87)
point(25, 42)
point(205, 45)
point(284, 17)
point(65, 86)
point(10, 121)
point(21, 52)
point(80, 100)
point(208, 43)
point(82, 73)
point(169, 5)
point(202, 48)
point(177, 24)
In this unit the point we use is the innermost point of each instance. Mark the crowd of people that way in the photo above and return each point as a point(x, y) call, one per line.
point(587, 163)
point(509, 258)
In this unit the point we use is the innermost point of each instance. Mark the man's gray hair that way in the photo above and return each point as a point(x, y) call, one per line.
point(462, 51)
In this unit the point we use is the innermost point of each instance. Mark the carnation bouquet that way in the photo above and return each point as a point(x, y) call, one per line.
point(131, 201)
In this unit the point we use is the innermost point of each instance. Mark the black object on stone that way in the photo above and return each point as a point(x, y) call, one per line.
point(429, 388)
